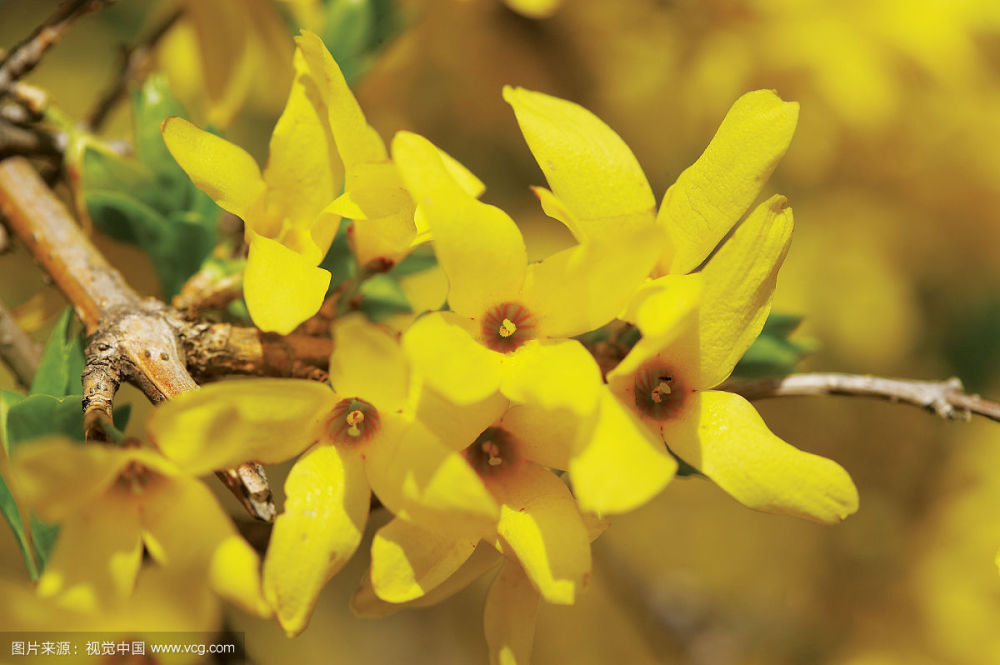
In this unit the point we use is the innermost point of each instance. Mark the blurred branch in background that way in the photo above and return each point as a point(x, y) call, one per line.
point(25, 56)
point(134, 60)
point(945, 398)
point(21, 353)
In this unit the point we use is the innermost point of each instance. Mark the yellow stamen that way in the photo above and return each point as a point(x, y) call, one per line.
point(661, 389)
point(507, 328)
point(353, 420)
point(493, 450)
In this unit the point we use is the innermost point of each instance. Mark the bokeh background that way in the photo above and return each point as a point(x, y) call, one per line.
point(894, 177)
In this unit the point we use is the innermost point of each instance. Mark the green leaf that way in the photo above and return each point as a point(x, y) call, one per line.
point(418, 260)
point(30, 418)
point(150, 201)
point(382, 297)
point(43, 415)
point(971, 340)
point(153, 103)
point(62, 361)
point(356, 30)
point(773, 353)
point(177, 244)
point(101, 169)
point(8, 505)
point(339, 259)
point(347, 33)
point(43, 537)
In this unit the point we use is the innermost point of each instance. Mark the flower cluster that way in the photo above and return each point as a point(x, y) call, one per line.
point(493, 433)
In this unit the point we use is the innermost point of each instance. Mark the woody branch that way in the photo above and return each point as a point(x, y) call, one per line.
point(142, 340)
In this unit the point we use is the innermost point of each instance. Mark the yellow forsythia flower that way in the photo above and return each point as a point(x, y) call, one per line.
point(112, 502)
point(367, 439)
point(288, 224)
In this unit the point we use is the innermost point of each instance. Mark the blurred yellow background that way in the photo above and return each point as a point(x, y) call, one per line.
point(894, 176)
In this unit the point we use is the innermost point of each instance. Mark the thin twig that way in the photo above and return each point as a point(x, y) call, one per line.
point(945, 398)
point(25, 56)
point(206, 290)
point(21, 353)
point(133, 61)
point(15, 140)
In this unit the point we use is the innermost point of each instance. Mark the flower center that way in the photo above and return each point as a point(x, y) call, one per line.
point(352, 421)
point(134, 477)
point(507, 326)
point(658, 392)
point(494, 451)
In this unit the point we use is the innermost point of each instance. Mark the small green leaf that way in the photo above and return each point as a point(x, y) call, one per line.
point(339, 259)
point(356, 30)
point(43, 415)
point(347, 33)
point(7, 503)
point(773, 353)
point(151, 105)
point(177, 244)
point(33, 417)
point(418, 260)
point(43, 537)
point(62, 361)
point(149, 200)
point(780, 324)
point(382, 297)
point(102, 169)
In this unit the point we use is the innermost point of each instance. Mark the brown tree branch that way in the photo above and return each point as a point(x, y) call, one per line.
point(945, 398)
point(133, 339)
point(16, 140)
point(25, 56)
point(21, 353)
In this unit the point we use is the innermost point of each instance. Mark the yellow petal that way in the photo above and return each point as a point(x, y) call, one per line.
point(385, 228)
point(224, 424)
point(408, 561)
point(445, 355)
point(545, 436)
point(458, 426)
point(553, 375)
point(581, 288)
point(535, 9)
point(738, 284)
point(186, 529)
point(220, 169)
point(712, 194)
point(326, 508)
point(721, 435)
point(478, 245)
point(345, 206)
point(665, 309)
point(427, 290)
point(56, 477)
point(97, 556)
point(621, 465)
point(553, 206)
point(357, 141)
point(386, 239)
point(368, 362)
point(419, 479)
point(587, 164)
point(509, 617)
point(541, 526)
point(303, 171)
point(485, 558)
point(281, 287)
